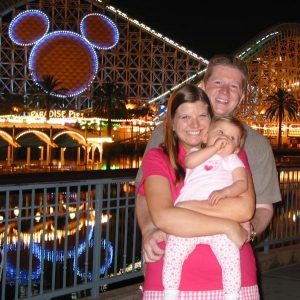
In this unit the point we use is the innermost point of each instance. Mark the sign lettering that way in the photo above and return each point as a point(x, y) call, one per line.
point(57, 113)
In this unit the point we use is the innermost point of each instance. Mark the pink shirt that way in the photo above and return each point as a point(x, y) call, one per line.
point(201, 270)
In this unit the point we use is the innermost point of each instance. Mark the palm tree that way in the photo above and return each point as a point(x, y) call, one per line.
point(109, 101)
point(44, 94)
point(279, 104)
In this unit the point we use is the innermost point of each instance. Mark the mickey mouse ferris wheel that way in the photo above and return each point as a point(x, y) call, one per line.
point(66, 55)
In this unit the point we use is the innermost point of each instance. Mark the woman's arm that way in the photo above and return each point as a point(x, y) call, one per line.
point(185, 222)
point(239, 209)
point(151, 234)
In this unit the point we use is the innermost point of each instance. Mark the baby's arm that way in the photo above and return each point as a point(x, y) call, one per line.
point(197, 158)
point(238, 187)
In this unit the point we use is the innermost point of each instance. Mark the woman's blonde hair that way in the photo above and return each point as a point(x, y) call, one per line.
point(187, 93)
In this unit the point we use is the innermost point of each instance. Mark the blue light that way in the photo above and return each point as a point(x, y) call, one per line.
point(58, 256)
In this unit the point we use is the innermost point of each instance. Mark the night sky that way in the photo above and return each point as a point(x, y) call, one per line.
point(213, 28)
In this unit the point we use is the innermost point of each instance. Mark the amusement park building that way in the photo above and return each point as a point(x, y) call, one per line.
point(143, 61)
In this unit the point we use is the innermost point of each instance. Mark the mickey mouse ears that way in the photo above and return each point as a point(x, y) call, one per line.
point(28, 27)
point(67, 56)
point(100, 31)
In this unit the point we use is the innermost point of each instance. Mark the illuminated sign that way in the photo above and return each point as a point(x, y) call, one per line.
point(58, 113)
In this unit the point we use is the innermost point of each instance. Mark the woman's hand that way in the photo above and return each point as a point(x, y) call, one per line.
point(151, 250)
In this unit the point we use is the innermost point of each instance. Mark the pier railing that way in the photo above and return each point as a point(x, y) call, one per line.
point(73, 237)
point(284, 228)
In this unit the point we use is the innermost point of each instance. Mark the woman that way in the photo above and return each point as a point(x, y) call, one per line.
point(187, 120)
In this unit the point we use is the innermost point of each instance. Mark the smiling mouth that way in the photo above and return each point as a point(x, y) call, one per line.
point(222, 101)
point(194, 132)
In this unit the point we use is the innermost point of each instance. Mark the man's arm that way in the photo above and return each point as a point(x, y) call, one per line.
point(265, 178)
point(156, 138)
point(151, 235)
point(262, 217)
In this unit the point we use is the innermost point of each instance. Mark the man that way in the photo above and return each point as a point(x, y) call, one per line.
point(224, 82)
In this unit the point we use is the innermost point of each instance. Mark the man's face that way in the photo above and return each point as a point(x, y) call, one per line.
point(224, 89)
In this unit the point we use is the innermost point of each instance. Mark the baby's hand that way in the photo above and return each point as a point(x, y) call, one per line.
point(215, 196)
point(221, 142)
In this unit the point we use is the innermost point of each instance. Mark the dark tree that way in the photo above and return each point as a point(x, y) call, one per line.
point(280, 104)
point(109, 101)
point(11, 104)
point(46, 93)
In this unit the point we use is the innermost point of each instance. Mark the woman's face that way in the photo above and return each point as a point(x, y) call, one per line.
point(191, 122)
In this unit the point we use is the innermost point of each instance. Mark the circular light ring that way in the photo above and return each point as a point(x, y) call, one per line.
point(29, 27)
point(100, 31)
point(66, 56)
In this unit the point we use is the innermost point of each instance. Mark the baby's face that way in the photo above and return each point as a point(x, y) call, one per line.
point(230, 132)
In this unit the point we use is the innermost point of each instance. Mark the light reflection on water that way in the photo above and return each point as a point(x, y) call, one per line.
point(119, 162)
point(46, 247)
point(50, 256)
point(54, 237)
